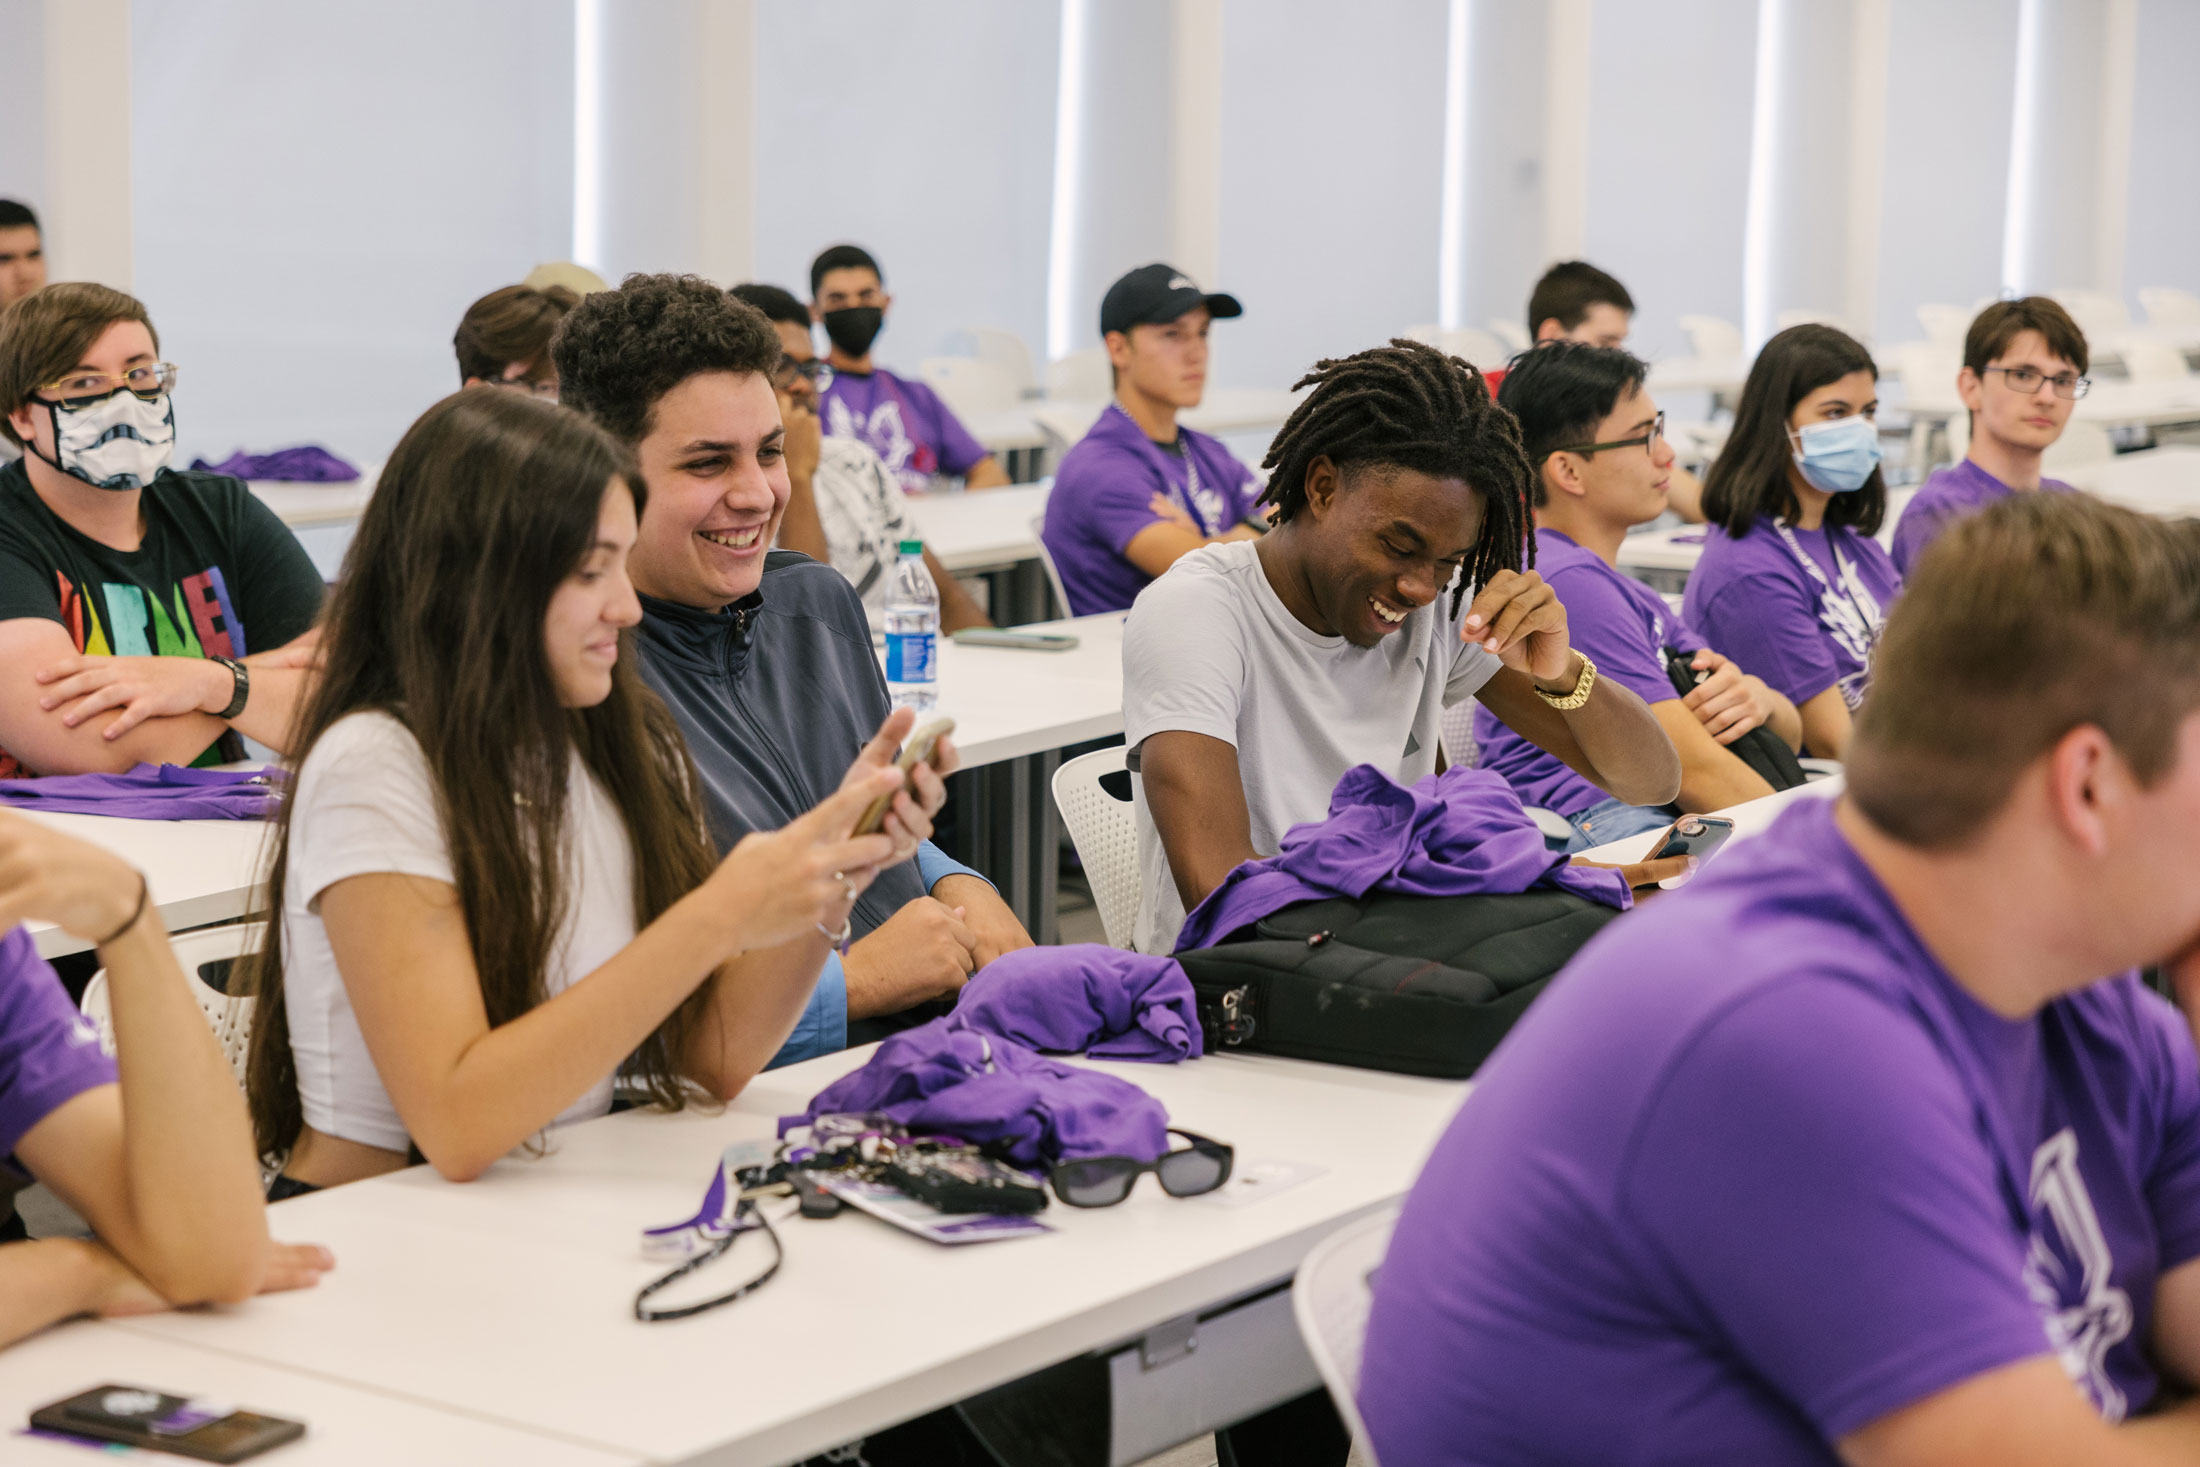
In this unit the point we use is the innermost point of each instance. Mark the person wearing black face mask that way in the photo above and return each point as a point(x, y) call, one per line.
point(904, 421)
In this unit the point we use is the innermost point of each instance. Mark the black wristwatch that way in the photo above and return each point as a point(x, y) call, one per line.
point(243, 689)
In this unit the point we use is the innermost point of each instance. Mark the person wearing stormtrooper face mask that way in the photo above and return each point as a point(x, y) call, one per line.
point(1791, 584)
point(904, 421)
point(145, 613)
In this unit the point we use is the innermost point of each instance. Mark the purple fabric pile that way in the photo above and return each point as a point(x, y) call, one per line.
point(307, 464)
point(1459, 833)
point(153, 792)
point(1085, 998)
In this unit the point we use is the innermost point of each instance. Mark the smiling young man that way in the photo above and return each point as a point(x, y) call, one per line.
point(1139, 492)
point(1870, 1147)
point(1255, 673)
point(144, 612)
point(1597, 443)
point(2023, 372)
point(765, 657)
point(918, 436)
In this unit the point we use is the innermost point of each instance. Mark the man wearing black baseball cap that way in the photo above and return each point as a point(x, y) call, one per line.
point(1138, 492)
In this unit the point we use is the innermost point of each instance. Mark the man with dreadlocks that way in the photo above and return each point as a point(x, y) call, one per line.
point(1255, 673)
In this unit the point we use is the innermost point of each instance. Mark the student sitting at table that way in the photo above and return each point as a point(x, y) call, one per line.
point(495, 893)
point(1602, 466)
point(22, 253)
point(764, 656)
point(1255, 673)
point(1870, 1146)
point(903, 420)
point(145, 612)
point(1140, 491)
point(2023, 371)
point(1791, 584)
point(844, 506)
point(154, 1152)
point(503, 339)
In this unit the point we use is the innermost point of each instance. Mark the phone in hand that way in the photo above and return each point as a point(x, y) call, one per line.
point(913, 753)
point(1694, 835)
point(1006, 637)
point(160, 1422)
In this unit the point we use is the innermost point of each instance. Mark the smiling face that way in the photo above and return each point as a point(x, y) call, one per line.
point(592, 605)
point(1383, 544)
point(2024, 420)
point(1166, 362)
point(717, 480)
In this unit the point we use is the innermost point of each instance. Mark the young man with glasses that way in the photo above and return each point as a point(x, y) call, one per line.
point(1596, 441)
point(503, 339)
point(846, 507)
point(2023, 371)
point(144, 612)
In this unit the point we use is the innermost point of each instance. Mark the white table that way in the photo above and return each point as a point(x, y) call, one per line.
point(1751, 818)
point(302, 506)
point(197, 871)
point(1719, 376)
point(346, 1426)
point(2160, 481)
point(508, 1299)
point(981, 529)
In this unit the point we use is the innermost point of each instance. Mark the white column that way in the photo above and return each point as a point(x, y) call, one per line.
point(1798, 237)
point(2070, 145)
point(1071, 66)
point(1566, 130)
point(1195, 215)
point(1515, 148)
point(728, 181)
point(1867, 160)
point(86, 211)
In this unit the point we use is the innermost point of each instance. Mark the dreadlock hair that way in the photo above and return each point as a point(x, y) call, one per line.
point(1409, 406)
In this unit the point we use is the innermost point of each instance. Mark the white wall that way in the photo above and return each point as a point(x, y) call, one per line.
point(2163, 247)
point(22, 101)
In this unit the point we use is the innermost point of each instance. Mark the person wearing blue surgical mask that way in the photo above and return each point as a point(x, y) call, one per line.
point(1792, 584)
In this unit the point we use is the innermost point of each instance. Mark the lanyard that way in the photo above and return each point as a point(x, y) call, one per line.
point(1863, 631)
point(1188, 495)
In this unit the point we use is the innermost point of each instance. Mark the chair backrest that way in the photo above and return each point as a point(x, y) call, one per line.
point(1712, 338)
point(229, 1015)
point(1082, 376)
point(1006, 351)
point(968, 385)
point(1105, 832)
point(1429, 332)
point(1046, 558)
point(2149, 358)
point(1945, 325)
point(1330, 1299)
point(2099, 314)
point(1477, 347)
point(1511, 332)
point(2169, 307)
point(1064, 422)
point(1924, 364)
point(2082, 443)
point(1804, 316)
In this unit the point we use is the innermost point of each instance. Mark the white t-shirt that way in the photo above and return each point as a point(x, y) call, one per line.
point(1211, 649)
point(366, 805)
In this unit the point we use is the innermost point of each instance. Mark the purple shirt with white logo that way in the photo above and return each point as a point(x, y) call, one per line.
point(1619, 624)
point(1753, 599)
point(1947, 496)
point(49, 1053)
point(1103, 496)
point(1756, 1171)
point(904, 422)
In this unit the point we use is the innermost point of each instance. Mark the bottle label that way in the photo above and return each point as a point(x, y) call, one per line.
point(911, 657)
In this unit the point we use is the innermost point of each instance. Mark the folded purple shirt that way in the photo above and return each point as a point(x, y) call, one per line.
point(306, 464)
point(1459, 833)
point(153, 792)
point(1086, 998)
point(992, 1091)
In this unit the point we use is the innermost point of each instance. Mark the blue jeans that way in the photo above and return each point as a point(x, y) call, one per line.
point(1614, 820)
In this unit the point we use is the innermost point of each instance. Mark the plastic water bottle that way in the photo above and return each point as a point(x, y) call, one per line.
point(912, 631)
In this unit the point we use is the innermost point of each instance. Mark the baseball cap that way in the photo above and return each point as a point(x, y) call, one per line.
point(1152, 295)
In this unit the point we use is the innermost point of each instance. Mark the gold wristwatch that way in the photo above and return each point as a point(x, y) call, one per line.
point(1568, 702)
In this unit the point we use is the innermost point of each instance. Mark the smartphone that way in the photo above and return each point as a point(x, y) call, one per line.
point(1004, 637)
point(1694, 835)
point(913, 753)
point(160, 1422)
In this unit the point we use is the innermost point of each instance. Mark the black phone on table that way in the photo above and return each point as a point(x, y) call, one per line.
point(1694, 835)
point(1007, 637)
point(160, 1422)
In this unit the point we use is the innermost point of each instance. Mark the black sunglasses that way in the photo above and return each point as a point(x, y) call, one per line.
point(1103, 1181)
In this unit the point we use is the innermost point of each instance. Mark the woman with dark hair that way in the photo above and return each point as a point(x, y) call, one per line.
point(1792, 585)
point(496, 891)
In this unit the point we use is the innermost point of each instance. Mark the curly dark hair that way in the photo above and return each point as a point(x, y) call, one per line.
point(1409, 406)
point(619, 351)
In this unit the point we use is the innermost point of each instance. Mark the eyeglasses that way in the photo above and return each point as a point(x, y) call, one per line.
point(2028, 379)
point(147, 381)
point(1657, 431)
point(815, 369)
point(546, 391)
point(1103, 1181)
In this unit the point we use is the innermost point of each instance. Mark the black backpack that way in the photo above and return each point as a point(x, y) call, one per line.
point(1419, 985)
point(1761, 749)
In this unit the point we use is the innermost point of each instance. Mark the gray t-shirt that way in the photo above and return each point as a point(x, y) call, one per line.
point(1211, 649)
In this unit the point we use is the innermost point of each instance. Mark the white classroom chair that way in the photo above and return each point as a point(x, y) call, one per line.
point(1945, 325)
point(1066, 423)
point(2082, 445)
point(1105, 832)
point(1712, 338)
point(967, 385)
point(2148, 358)
point(2170, 309)
point(1803, 316)
point(2099, 314)
point(1512, 333)
point(229, 1015)
point(1330, 1299)
point(1476, 347)
point(1082, 376)
point(1046, 558)
point(1429, 332)
point(1004, 350)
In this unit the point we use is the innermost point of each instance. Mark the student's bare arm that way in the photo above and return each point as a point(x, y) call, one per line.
point(1197, 798)
point(957, 609)
point(1712, 777)
point(1826, 725)
point(1613, 741)
point(986, 473)
point(2177, 1322)
point(40, 738)
point(2029, 1414)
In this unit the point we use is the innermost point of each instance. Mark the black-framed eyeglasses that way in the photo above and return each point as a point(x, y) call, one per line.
point(1657, 431)
point(816, 369)
point(2068, 385)
point(1103, 1181)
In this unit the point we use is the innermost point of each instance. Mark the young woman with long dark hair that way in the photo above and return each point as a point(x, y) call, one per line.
point(1791, 584)
point(495, 888)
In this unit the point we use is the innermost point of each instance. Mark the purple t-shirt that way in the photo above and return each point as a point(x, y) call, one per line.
point(1756, 1172)
point(1753, 598)
point(905, 423)
point(49, 1053)
point(1103, 496)
point(1946, 497)
point(1619, 624)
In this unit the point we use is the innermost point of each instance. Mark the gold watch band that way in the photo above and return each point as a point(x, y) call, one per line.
point(1585, 680)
